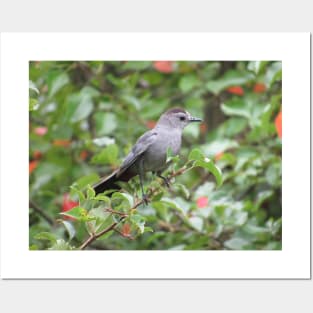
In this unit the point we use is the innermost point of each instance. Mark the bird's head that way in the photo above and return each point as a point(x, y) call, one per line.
point(177, 118)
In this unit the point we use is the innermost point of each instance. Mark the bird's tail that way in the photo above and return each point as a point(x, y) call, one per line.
point(106, 183)
point(110, 182)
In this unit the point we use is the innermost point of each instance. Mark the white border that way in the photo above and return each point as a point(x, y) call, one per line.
point(18, 262)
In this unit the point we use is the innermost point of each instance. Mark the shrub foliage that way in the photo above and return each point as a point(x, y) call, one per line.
point(225, 188)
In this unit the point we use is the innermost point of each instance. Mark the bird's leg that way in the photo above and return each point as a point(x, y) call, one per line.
point(166, 180)
point(141, 179)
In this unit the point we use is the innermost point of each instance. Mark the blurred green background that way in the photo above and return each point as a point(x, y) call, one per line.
point(85, 116)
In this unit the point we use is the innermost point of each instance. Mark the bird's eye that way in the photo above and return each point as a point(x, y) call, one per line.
point(182, 118)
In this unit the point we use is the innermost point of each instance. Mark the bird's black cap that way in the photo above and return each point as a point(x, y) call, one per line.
point(175, 110)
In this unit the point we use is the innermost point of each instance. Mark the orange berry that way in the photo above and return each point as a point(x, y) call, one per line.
point(61, 142)
point(259, 88)
point(203, 128)
point(32, 166)
point(150, 124)
point(126, 229)
point(83, 155)
point(218, 156)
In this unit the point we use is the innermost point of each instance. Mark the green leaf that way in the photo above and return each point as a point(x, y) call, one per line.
point(86, 180)
point(136, 65)
point(76, 192)
point(236, 243)
point(148, 229)
point(56, 81)
point(170, 157)
point(108, 155)
point(196, 154)
point(173, 205)
point(218, 146)
point(262, 196)
point(193, 131)
point(273, 73)
point(78, 107)
point(138, 221)
point(196, 223)
point(101, 219)
point(99, 213)
point(61, 244)
point(79, 213)
point(212, 168)
point(90, 92)
point(133, 101)
point(232, 79)
point(101, 197)
point(257, 66)
point(188, 82)
point(233, 126)
point(273, 174)
point(202, 161)
point(90, 192)
point(33, 104)
point(33, 87)
point(183, 189)
point(237, 108)
point(46, 236)
point(154, 108)
point(106, 123)
point(125, 198)
point(70, 229)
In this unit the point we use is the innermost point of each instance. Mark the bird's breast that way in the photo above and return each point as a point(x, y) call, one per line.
point(155, 156)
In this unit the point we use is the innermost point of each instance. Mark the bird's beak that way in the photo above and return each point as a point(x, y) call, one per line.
point(194, 119)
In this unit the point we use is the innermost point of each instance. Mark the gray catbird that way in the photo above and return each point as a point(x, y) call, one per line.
point(150, 151)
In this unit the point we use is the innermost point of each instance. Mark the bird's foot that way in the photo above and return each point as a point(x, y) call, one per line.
point(145, 199)
point(166, 181)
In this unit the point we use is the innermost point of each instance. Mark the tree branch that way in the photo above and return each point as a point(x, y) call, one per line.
point(93, 237)
point(151, 192)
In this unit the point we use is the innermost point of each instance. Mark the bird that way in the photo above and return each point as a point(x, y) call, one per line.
point(149, 153)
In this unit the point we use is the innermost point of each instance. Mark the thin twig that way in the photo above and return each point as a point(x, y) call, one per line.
point(116, 212)
point(93, 237)
point(42, 213)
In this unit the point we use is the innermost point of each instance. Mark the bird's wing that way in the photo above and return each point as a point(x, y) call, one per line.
point(142, 144)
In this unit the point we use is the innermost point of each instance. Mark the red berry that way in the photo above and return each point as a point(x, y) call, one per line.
point(278, 124)
point(163, 66)
point(40, 131)
point(236, 90)
point(202, 202)
point(37, 154)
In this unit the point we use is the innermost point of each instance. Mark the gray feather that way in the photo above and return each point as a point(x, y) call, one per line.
point(142, 144)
